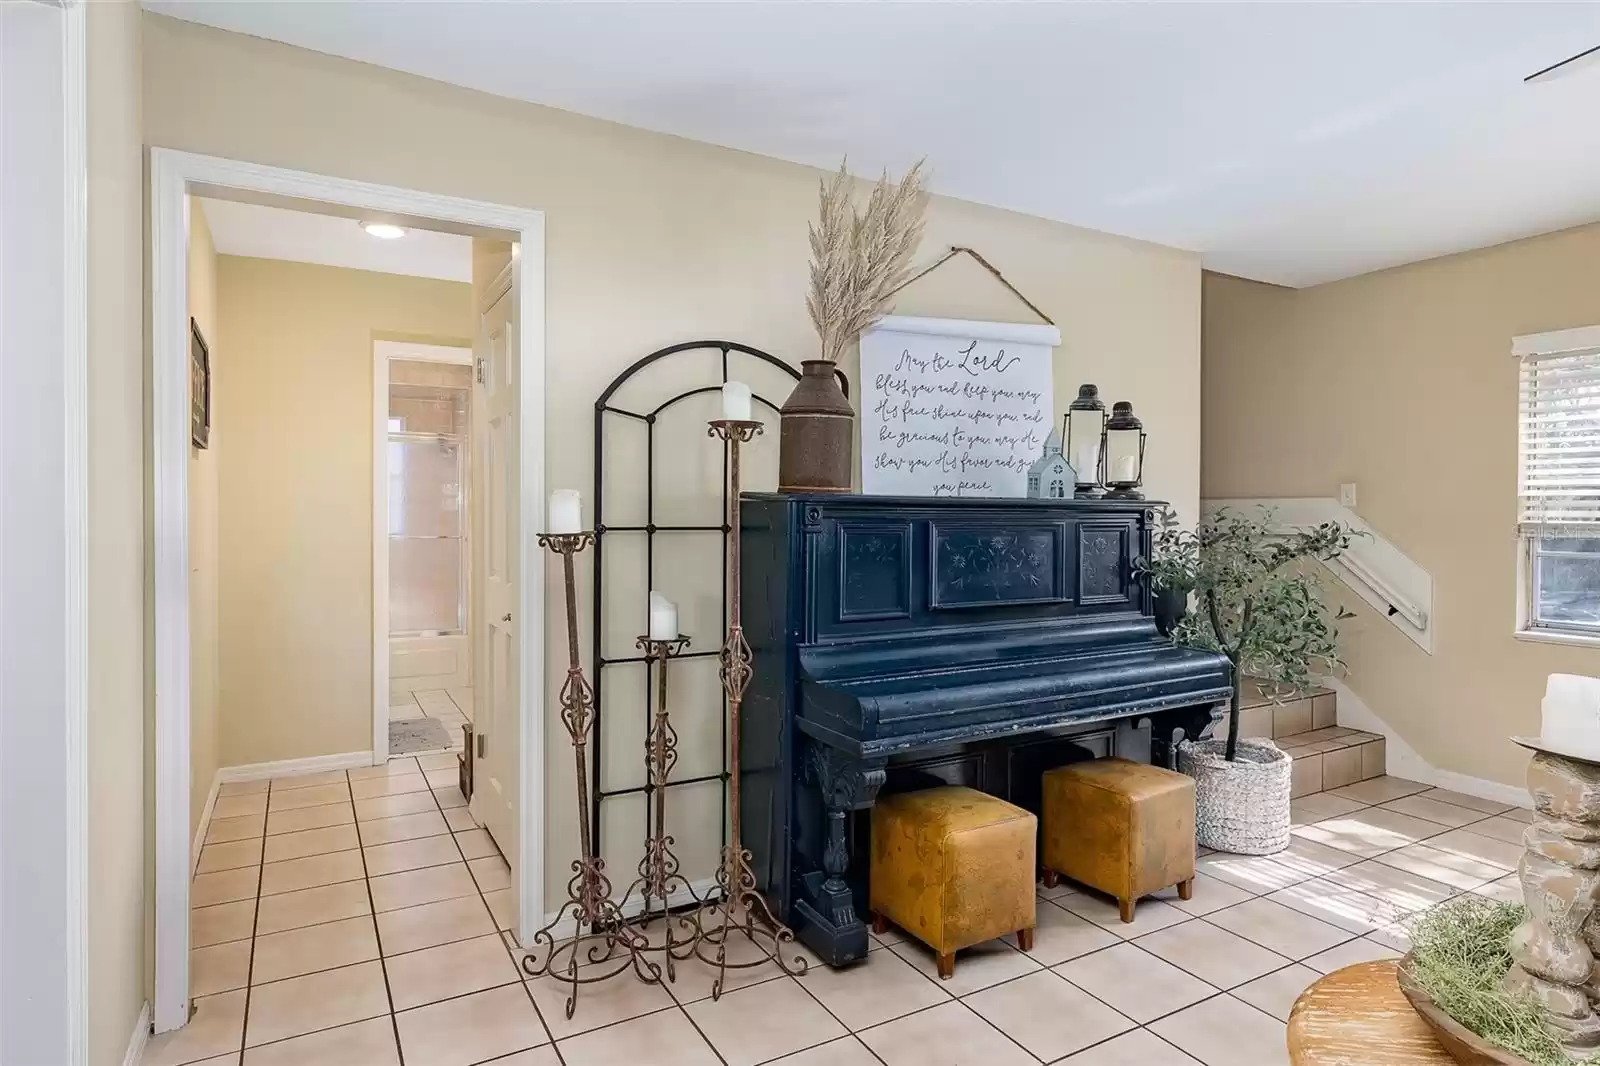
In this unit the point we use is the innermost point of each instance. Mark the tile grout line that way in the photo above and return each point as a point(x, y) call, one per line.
point(377, 935)
point(255, 921)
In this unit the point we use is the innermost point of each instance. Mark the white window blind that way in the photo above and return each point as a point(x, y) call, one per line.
point(1558, 450)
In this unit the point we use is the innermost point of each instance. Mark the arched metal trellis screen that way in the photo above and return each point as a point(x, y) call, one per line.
point(660, 497)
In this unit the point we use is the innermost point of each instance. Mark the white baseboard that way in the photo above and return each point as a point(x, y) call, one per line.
point(284, 767)
point(1402, 760)
point(635, 905)
point(205, 822)
point(141, 1034)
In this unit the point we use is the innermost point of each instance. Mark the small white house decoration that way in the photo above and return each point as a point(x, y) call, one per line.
point(1051, 477)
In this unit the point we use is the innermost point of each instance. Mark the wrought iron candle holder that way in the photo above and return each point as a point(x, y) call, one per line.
point(658, 870)
point(609, 946)
point(738, 909)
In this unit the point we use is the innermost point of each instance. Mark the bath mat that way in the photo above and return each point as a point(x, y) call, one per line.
point(407, 735)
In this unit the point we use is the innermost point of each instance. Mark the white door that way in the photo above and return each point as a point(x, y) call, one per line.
point(497, 502)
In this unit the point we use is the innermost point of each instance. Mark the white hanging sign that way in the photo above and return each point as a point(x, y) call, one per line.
point(953, 408)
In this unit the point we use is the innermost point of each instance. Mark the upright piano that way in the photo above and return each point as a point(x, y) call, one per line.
point(900, 642)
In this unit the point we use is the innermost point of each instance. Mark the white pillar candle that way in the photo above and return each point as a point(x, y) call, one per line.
point(663, 617)
point(566, 512)
point(736, 401)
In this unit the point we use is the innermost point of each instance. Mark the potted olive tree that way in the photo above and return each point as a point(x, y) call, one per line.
point(1259, 604)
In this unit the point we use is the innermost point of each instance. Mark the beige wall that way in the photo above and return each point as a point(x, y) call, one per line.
point(117, 606)
point(204, 680)
point(295, 514)
point(652, 240)
point(1402, 381)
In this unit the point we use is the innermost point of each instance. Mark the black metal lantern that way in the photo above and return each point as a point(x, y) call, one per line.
point(1124, 453)
point(1085, 433)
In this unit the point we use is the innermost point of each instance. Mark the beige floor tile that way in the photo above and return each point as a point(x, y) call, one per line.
point(1139, 1047)
point(1311, 858)
point(412, 888)
point(459, 819)
point(1407, 892)
point(449, 970)
point(883, 986)
point(599, 1004)
point(1209, 895)
point(405, 827)
point(1135, 982)
point(415, 854)
point(947, 1035)
point(1461, 799)
point(849, 1051)
point(695, 976)
point(476, 844)
point(1348, 954)
point(449, 798)
point(1434, 810)
point(1276, 992)
point(239, 806)
point(303, 818)
point(219, 968)
point(977, 967)
point(1380, 789)
point(442, 761)
point(316, 1001)
point(368, 1043)
point(470, 1029)
point(491, 872)
point(292, 875)
point(311, 842)
point(1501, 827)
point(312, 906)
point(312, 948)
point(1506, 890)
point(214, 1029)
point(1211, 953)
point(1519, 814)
point(1338, 905)
point(312, 780)
point(431, 924)
point(219, 830)
point(1226, 1032)
point(1474, 845)
point(1047, 1015)
point(539, 1056)
point(1319, 807)
point(1288, 932)
point(244, 788)
point(399, 764)
point(233, 855)
point(665, 1038)
point(1451, 868)
point(1061, 935)
point(388, 785)
point(225, 887)
point(1369, 832)
point(317, 796)
point(765, 1021)
point(502, 907)
point(1255, 874)
point(221, 923)
point(368, 810)
point(448, 777)
point(1148, 916)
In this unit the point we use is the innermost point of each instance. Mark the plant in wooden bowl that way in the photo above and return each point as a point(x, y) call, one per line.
point(1454, 975)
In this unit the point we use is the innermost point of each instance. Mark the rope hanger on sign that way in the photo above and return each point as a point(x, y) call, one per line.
point(990, 267)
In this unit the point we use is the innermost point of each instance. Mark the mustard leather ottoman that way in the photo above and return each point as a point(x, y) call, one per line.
point(953, 867)
point(1123, 827)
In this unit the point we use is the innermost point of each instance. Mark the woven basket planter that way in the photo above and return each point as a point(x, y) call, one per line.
point(1240, 806)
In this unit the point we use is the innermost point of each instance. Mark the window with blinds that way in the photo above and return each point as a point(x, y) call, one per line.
point(1558, 478)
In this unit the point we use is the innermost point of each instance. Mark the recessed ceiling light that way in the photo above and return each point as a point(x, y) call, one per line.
point(384, 230)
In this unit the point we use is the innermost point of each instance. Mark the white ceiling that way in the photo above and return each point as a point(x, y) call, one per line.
point(303, 237)
point(1290, 142)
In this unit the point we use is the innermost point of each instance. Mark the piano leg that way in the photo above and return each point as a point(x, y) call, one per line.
point(1168, 729)
point(831, 926)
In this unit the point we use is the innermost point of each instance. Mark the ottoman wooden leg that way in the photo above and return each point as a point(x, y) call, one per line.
point(880, 924)
point(1186, 889)
point(1025, 939)
point(947, 965)
point(1125, 909)
point(1051, 879)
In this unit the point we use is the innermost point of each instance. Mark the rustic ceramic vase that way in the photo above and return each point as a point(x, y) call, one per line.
point(817, 430)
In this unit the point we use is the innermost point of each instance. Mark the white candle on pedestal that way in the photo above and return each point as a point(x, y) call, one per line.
point(663, 617)
point(1127, 469)
point(566, 512)
point(736, 401)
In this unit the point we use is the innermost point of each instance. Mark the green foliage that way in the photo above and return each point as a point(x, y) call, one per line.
point(1459, 956)
point(1256, 602)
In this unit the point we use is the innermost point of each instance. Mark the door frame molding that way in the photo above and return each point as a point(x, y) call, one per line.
point(382, 352)
point(173, 176)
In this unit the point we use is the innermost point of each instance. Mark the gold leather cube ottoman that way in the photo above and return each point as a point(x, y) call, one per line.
point(953, 867)
point(1125, 828)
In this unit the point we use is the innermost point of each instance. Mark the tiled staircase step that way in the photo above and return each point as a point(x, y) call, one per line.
point(1326, 759)
point(1260, 716)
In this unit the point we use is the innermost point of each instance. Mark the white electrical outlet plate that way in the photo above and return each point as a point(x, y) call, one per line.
point(1347, 495)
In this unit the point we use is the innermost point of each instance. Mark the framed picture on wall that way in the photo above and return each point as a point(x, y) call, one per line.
point(199, 388)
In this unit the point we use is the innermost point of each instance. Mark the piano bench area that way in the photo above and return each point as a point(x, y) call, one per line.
point(953, 867)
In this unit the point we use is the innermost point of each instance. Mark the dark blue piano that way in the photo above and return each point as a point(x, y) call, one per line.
point(901, 642)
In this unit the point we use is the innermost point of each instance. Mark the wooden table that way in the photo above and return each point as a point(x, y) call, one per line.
point(1357, 1016)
